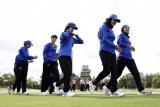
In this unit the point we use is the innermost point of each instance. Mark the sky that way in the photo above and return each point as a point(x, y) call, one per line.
point(37, 20)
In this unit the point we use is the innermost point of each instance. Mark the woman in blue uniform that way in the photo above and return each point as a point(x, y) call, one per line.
point(125, 59)
point(67, 40)
point(50, 66)
point(22, 66)
point(11, 89)
point(107, 55)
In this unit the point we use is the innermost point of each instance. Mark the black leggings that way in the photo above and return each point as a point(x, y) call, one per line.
point(109, 66)
point(131, 65)
point(66, 67)
point(73, 87)
point(21, 75)
point(14, 86)
point(50, 74)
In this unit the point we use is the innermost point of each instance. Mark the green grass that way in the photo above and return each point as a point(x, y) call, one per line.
point(34, 100)
point(135, 90)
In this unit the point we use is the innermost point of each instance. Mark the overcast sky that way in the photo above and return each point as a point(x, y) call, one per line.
point(37, 20)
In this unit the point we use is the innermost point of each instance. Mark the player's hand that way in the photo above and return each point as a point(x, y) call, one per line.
point(131, 48)
point(73, 34)
point(30, 61)
point(119, 49)
point(35, 57)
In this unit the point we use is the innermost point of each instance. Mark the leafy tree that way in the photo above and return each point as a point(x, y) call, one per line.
point(148, 80)
point(156, 81)
point(7, 79)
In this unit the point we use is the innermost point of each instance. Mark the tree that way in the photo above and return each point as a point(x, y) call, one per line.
point(148, 80)
point(7, 79)
point(36, 85)
point(156, 81)
point(0, 80)
point(127, 81)
point(30, 82)
point(122, 82)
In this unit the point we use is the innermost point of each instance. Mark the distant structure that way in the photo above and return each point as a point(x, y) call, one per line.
point(85, 72)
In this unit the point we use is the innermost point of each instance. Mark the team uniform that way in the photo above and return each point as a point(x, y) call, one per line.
point(125, 59)
point(50, 67)
point(65, 58)
point(108, 57)
point(22, 68)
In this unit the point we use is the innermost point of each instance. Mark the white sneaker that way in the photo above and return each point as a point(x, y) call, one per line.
point(56, 89)
point(93, 89)
point(105, 90)
point(18, 93)
point(144, 93)
point(9, 90)
point(118, 93)
point(43, 93)
point(13, 92)
point(25, 93)
point(68, 94)
point(61, 91)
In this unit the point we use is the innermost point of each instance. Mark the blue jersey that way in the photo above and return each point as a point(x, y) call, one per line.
point(49, 52)
point(124, 42)
point(66, 43)
point(107, 37)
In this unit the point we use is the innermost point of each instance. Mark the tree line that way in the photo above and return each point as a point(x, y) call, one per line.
point(126, 81)
point(148, 80)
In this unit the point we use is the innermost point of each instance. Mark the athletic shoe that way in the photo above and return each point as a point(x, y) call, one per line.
point(9, 90)
point(118, 93)
point(68, 94)
point(59, 92)
point(144, 93)
point(25, 93)
point(43, 93)
point(18, 93)
point(13, 92)
point(105, 90)
point(56, 89)
point(93, 89)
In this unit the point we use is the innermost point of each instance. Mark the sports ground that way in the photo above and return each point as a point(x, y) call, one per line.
point(80, 100)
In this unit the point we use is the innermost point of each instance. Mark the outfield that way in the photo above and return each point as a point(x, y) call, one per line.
point(80, 100)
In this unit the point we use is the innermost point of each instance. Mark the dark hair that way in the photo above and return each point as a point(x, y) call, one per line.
point(24, 43)
point(122, 30)
point(108, 22)
point(67, 27)
point(54, 36)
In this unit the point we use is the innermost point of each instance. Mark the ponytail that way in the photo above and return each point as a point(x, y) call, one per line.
point(67, 27)
point(24, 43)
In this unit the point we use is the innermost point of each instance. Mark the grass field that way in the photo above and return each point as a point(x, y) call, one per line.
point(34, 100)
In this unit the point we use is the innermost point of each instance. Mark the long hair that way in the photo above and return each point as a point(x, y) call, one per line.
point(108, 22)
point(24, 43)
point(67, 27)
